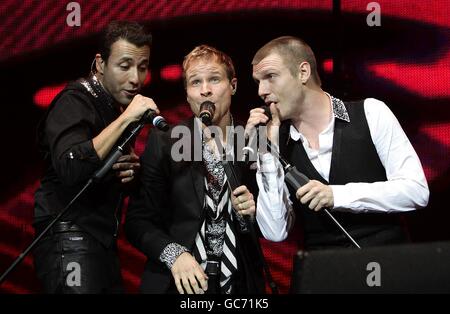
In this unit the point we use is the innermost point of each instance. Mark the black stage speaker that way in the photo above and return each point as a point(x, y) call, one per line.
point(410, 268)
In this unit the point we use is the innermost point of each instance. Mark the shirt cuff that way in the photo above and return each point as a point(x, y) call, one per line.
point(171, 253)
point(341, 199)
point(266, 163)
point(84, 151)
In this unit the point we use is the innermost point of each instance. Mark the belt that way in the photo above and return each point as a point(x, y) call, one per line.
point(213, 272)
point(65, 226)
point(212, 268)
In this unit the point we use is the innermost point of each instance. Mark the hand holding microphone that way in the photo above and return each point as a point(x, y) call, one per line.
point(151, 116)
point(145, 110)
point(264, 116)
point(243, 201)
point(319, 195)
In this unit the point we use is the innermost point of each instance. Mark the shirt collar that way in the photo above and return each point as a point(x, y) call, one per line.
point(339, 112)
point(96, 89)
point(339, 109)
point(229, 146)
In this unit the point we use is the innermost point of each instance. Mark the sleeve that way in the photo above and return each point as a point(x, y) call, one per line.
point(69, 130)
point(406, 187)
point(147, 214)
point(274, 212)
point(170, 254)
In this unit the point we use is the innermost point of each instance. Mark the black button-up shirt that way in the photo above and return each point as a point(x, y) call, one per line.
point(75, 117)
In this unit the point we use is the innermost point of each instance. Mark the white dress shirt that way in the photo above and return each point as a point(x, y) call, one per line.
point(274, 212)
point(406, 187)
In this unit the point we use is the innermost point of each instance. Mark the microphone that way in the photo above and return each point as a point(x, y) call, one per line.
point(150, 116)
point(295, 179)
point(267, 113)
point(252, 140)
point(233, 184)
point(207, 109)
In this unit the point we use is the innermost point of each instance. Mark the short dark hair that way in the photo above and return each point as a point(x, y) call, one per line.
point(293, 51)
point(132, 32)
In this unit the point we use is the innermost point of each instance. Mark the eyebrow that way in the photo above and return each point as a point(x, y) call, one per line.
point(125, 59)
point(128, 59)
point(211, 73)
point(263, 74)
point(269, 69)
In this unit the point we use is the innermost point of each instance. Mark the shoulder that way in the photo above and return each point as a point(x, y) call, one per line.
point(70, 106)
point(75, 90)
point(72, 99)
point(376, 109)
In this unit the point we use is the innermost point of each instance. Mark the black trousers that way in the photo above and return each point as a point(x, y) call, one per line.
point(73, 262)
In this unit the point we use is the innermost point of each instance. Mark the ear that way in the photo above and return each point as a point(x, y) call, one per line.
point(99, 63)
point(233, 86)
point(304, 72)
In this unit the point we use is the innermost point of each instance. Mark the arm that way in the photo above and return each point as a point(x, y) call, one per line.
point(76, 152)
point(274, 213)
point(148, 219)
point(104, 141)
point(406, 187)
point(69, 128)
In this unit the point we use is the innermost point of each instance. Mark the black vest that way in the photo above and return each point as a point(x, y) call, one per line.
point(354, 159)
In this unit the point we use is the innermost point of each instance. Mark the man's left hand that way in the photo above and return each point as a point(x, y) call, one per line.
point(317, 194)
point(243, 201)
point(126, 167)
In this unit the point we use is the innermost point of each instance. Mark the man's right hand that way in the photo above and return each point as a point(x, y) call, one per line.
point(188, 274)
point(138, 106)
point(257, 116)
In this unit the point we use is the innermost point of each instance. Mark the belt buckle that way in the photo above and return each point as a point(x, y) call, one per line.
point(64, 226)
point(212, 268)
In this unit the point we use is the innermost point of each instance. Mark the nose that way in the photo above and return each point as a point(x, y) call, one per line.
point(206, 90)
point(133, 76)
point(263, 90)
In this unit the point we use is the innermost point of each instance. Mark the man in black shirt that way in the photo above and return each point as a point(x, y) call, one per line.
point(83, 124)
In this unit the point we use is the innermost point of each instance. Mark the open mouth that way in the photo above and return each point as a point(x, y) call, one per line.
point(130, 93)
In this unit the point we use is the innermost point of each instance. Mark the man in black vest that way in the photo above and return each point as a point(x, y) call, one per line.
point(83, 124)
point(361, 164)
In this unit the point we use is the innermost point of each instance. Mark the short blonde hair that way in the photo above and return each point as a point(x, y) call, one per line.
point(293, 51)
point(205, 52)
